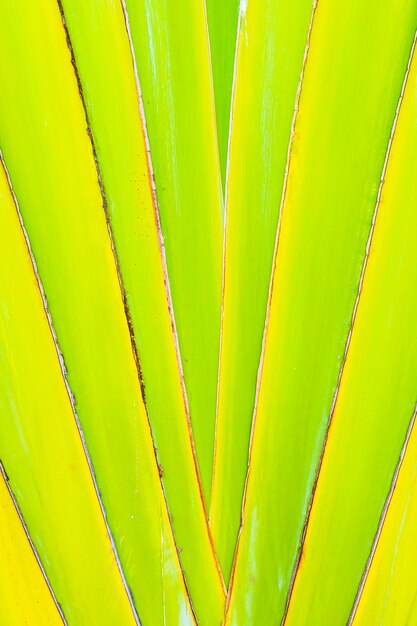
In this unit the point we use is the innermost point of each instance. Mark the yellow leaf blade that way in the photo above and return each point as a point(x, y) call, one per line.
point(61, 205)
point(41, 448)
point(25, 593)
point(263, 109)
point(112, 103)
point(376, 398)
point(337, 156)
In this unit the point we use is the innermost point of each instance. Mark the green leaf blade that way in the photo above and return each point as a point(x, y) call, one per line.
point(41, 448)
point(336, 162)
point(113, 109)
point(272, 41)
point(50, 160)
point(376, 398)
point(171, 47)
point(222, 20)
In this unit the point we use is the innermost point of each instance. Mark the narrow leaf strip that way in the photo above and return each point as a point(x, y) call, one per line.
point(171, 48)
point(222, 19)
point(24, 591)
point(48, 152)
point(389, 592)
point(272, 42)
point(352, 81)
point(113, 111)
point(377, 395)
point(41, 449)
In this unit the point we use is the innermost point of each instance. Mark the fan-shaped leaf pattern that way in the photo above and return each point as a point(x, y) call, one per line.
point(207, 290)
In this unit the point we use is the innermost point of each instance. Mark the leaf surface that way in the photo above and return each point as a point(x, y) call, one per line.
point(113, 108)
point(41, 449)
point(272, 41)
point(25, 593)
point(171, 47)
point(222, 19)
point(377, 397)
point(43, 135)
point(352, 82)
point(389, 593)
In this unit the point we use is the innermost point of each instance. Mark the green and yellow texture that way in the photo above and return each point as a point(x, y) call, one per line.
point(208, 295)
